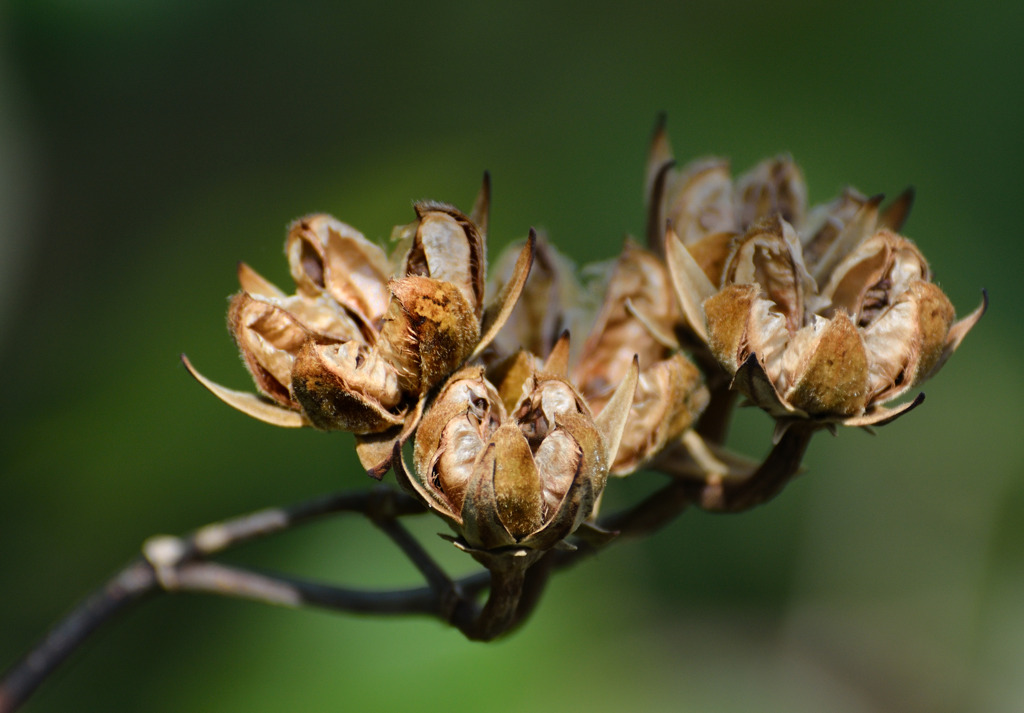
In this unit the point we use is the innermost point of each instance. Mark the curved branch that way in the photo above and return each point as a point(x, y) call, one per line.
point(378, 502)
point(179, 564)
point(176, 564)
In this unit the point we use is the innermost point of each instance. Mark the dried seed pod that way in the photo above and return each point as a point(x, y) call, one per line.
point(878, 328)
point(340, 279)
point(708, 211)
point(453, 432)
point(333, 258)
point(670, 395)
point(347, 387)
point(552, 301)
point(637, 318)
point(428, 332)
point(270, 329)
point(431, 328)
point(639, 285)
point(356, 348)
point(448, 247)
point(522, 480)
point(773, 187)
point(268, 338)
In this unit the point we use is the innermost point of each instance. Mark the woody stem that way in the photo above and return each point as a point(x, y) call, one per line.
point(179, 564)
point(781, 465)
point(176, 564)
point(500, 612)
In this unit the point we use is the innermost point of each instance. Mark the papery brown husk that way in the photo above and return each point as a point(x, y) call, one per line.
point(334, 395)
point(878, 328)
point(268, 338)
point(448, 247)
point(669, 397)
point(552, 301)
point(330, 257)
point(639, 284)
point(428, 332)
point(433, 435)
point(532, 479)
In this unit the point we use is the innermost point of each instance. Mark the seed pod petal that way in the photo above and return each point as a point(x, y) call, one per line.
point(518, 491)
point(692, 286)
point(429, 331)
point(257, 285)
point(773, 187)
point(454, 430)
point(832, 378)
point(448, 246)
point(268, 338)
point(319, 314)
point(696, 200)
point(611, 422)
point(356, 276)
point(728, 318)
point(861, 271)
point(846, 239)
point(512, 374)
point(895, 214)
point(481, 525)
point(500, 309)
point(878, 415)
point(935, 317)
point(249, 404)
point(700, 201)
point(581, 473)
point(347, 387)
point(329, 256)
point(669, 396)
point(958, 331)
point(641, 280)
point(907, 339)
point(659, 160)
point(551, 301)
point(769, 255)
point(557, 363)
point(893, 345)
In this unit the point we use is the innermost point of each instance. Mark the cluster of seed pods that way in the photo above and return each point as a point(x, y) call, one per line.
point(819, 316)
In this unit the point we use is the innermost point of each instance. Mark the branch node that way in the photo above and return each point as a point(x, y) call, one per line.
point(164, 553)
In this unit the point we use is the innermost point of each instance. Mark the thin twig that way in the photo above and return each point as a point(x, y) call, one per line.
point(450, 602)
point(229, 581)
point(410, 546)
point(215, 537)
point(176, 564)
point(774, 473)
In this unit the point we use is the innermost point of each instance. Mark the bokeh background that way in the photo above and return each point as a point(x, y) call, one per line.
point(146, 146)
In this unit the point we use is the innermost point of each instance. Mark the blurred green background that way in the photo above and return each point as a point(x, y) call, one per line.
point(146, 146)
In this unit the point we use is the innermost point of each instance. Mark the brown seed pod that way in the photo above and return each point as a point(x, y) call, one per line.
point(347, 387)
point(877, 328)
point(526, 479)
